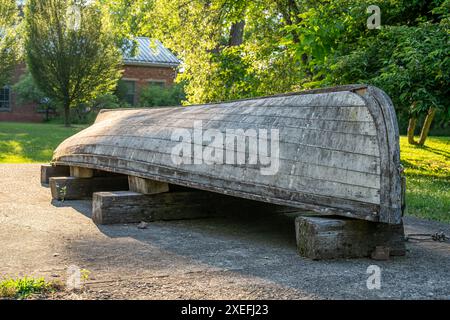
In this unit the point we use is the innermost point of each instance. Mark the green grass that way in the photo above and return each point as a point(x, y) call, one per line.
point(23, 288)
point(427, 171)
point(31, 142)
point(427, 168)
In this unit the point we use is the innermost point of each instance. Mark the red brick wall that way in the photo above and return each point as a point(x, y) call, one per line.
point(20, 112)
point(143, 74)
point(140, 74)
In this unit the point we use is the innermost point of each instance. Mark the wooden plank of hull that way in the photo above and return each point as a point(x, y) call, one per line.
point(338, 150)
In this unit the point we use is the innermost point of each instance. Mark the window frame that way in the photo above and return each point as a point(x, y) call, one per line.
point(128, 94)
point(8, 101)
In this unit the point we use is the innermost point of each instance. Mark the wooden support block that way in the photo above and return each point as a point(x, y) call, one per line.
point(332, 238)
point(72, 188)
point(48, 171)
point(147, 186)
point(131, 207)
point(80, 172)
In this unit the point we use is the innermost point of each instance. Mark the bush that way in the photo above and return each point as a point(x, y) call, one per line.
point(155, 95)
point(28, 92)
point(87, 112)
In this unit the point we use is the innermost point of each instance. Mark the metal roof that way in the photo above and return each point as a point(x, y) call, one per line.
point(151, 52)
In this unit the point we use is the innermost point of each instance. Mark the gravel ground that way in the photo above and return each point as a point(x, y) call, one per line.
point(219, 258)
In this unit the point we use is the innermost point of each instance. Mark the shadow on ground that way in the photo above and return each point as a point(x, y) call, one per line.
point(262, 248)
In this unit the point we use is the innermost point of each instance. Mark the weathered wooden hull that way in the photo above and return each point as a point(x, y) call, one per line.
point(338, 150)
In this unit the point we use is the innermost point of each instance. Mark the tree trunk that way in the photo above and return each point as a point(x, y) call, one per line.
point(426, 126)
point(237, 33)
point(411, 127)
point(67, 114)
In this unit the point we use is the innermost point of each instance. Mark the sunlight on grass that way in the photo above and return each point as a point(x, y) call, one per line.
point(427, 171)
point(31, 142)
point(433, 159)
point(12, 152)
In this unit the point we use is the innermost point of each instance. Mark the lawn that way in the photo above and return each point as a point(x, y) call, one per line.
point(31, 142)
point(427, 168)
point(427, 171)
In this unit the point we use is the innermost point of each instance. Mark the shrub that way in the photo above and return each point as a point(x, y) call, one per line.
point(87, 112)
point(155, 95)
point(28, 92)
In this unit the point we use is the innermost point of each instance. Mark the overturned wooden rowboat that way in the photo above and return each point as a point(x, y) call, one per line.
point(333, 151)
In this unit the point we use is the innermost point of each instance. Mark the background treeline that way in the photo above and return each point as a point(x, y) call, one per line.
point(235, 49)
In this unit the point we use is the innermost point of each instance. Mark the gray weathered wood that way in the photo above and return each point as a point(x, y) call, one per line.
point(72, 188)
point(339, 150)
point(333, 238)
point(48, 171)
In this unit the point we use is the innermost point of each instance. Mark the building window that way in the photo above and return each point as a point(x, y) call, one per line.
point(5, 99)
point(159, 83)
point(130, 91)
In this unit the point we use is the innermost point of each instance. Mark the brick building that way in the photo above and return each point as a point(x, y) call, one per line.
point(153, 64)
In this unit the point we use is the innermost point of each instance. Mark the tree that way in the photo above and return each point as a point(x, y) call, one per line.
point(235, 49)
point(8, 39)
point(230, 48)
point(407, 57)
point(71, 51)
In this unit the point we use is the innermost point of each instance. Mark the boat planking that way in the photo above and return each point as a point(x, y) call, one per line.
point(338, 150)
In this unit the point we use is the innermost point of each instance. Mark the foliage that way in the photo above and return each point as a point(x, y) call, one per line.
point(31, 142)
point(289, 45)
point(27, 91)
point(22, 288)
point(8, 39)
point(127, 17)
point(410, 63)
point(408, 57)
point(157, 96)
point(85, 113)
point(71, 62)
point(218, 65)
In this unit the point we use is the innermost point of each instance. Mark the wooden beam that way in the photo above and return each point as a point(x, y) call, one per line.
point(80, 172)
point(72, 188)
point(133, 207)
point(337, 238)
point(147, 186)
point(130, 207)
point(48, 171)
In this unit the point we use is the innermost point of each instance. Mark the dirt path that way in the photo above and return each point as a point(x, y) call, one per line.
point(246, 258)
